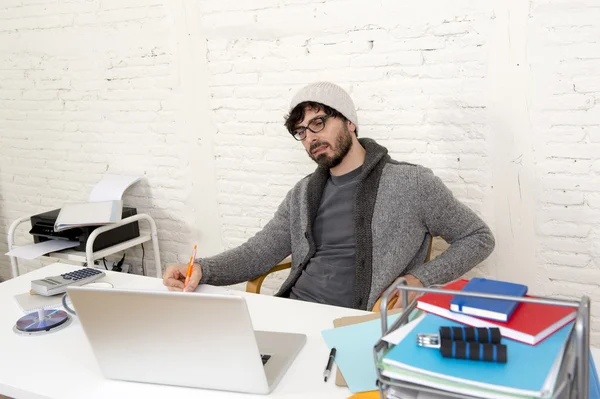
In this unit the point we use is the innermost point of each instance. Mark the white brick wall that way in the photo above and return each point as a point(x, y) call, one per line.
point(498, 98)
point(565, 118)
point(417, 79)
point(94, 87)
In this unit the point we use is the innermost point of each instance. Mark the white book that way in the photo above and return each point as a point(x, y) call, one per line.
point(73, 215)
point(29, 302)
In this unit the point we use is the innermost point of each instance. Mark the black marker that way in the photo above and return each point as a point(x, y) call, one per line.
point(329, 364)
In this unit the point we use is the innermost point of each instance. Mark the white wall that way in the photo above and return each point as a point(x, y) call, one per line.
point(95, 87)
point(499, 98)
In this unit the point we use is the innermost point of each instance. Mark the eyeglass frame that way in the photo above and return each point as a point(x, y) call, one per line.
point(323, 118)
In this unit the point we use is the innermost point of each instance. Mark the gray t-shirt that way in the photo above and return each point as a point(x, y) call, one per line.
point(329, 275)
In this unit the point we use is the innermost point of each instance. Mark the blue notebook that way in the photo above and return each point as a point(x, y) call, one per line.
point(494, 309)
point(594, 383)
point(525, 373)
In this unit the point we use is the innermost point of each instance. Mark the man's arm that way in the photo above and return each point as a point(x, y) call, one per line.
point(470, 239)
point(256, 256)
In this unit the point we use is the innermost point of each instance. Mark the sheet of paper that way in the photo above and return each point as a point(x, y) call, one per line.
point(33, 251)
point(112, 187)
point(213, 289)
point(398, 334)
point(157, 285)
point(28, 302)
point(88, 214)
point(350, 320)
point(354, 356)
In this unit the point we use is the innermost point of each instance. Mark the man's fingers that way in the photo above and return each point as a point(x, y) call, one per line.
point(173, 272)
point(174, 283)
point(398, 304)
point(175, 275)
point(194, 278)
point(169, 273)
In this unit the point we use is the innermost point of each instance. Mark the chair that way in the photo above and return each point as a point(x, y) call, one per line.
point(254, 286)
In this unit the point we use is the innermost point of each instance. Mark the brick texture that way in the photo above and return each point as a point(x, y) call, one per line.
point(565, 118)
point(87, 88)
point(417, 79)
point(499, 99)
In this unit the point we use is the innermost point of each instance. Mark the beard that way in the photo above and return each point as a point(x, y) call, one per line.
point(343, 144)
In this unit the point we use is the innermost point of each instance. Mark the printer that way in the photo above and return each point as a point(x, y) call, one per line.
point(42, 229)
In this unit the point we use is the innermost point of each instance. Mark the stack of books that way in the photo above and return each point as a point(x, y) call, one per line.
point(527, 322)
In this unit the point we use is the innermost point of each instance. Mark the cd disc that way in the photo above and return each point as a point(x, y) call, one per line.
point(41, 321)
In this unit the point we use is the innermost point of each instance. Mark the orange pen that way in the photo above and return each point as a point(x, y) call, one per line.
point(189, 270)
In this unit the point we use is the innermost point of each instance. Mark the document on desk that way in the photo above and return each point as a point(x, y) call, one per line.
point(354, 357)
point(30, 302)
point(112, 187)
point(213, 289)
point(33, 251)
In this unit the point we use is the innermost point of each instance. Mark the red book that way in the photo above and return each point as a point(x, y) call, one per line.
point(530, 323)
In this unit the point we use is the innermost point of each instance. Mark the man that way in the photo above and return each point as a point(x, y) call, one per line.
point(356, 224)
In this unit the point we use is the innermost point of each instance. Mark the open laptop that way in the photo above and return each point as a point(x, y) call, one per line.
point(185, 339)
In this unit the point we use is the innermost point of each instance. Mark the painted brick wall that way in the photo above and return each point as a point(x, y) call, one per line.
point(89, 88)
point(565, 71)
point(498, 98)
point(417, 78)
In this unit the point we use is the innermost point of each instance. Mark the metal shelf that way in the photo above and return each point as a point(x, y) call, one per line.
point(90, 256)
point(80, 256)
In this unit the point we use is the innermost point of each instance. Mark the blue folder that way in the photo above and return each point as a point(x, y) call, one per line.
point(526, 369)
point(594, 383)
point(354, 352)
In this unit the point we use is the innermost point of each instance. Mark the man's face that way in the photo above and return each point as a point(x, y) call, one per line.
point(329, 146)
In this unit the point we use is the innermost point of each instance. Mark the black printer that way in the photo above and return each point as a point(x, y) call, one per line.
point(42, 229)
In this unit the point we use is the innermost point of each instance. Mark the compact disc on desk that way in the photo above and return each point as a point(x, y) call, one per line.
point(100, 284)
point(42, 322)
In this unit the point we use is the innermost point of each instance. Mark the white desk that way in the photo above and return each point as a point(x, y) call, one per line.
point(71, 370)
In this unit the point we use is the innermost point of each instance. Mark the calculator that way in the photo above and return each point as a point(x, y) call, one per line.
point(58, 284)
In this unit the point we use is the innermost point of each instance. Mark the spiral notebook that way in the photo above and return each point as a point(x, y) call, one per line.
point(30, 303)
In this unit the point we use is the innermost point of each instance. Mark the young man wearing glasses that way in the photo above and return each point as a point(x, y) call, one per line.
point(356, 224)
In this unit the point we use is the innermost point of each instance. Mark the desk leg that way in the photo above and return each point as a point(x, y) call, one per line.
point(156, 253)
point(14, 263)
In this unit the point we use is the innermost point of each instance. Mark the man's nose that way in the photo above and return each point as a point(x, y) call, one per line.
point(310, 136)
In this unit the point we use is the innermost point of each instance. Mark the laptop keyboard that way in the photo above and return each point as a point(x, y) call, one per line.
point(265, 358)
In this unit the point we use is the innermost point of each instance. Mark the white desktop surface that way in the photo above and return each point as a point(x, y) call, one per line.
point(62, 365)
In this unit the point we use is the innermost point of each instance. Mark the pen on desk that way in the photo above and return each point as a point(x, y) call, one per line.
point(329, 364)
point(189, 270)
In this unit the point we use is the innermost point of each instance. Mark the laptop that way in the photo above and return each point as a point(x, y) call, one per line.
point(184, 339)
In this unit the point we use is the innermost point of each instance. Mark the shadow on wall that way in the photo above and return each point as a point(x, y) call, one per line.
point(140, 197)
point(5, 268)
point(172, 229)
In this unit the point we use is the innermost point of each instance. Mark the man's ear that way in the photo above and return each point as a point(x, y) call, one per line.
point(351, 127)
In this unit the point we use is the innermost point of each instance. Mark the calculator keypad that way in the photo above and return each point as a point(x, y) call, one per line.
point(80, 274)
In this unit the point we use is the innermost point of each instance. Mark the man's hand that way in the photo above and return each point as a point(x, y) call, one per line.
point(174, 277)
point(411, 281)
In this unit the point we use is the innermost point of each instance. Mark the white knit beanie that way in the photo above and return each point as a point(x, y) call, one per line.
point(328, 94)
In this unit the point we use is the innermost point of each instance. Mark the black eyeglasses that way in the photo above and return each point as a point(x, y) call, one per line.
point(315, 125)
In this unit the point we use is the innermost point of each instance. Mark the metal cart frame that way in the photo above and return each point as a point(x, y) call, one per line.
point(89, 256)
point(573, 378)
